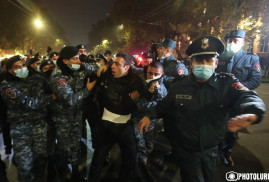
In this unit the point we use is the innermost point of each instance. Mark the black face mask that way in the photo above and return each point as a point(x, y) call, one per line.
point(83, 58)
point(48, 73)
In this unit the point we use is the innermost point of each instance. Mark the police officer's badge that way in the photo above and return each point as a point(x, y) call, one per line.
point(11, 93)
point(258, 67)
point(204, 44)
point(62, 83)
point(82, 46)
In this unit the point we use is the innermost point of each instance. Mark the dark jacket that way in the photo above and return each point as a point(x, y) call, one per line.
point(115, 92)
point(173, 67)
point(70, 89)
point(24, 99)
point(143, 103)
point(197, 113)
point(245, 66)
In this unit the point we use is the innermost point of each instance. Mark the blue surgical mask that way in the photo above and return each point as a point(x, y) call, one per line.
point(202, 72)
point(75, 67)
point(21, 73)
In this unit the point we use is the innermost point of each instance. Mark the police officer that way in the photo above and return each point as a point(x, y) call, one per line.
point(118, 89)
point(53, 57)
point(83, 54)
point(108, 56)
point(156, 91)
point(91, 58)
point(172, 67)
point(246, 67)
point(197, 106)
point(71, 86)
point(47, 68)
point(26, 114)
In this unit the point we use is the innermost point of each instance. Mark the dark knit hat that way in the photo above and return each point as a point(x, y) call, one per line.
point(45, 63)
point(53, 54)
point(12, 60)
point(33, 60)
point(68, 52)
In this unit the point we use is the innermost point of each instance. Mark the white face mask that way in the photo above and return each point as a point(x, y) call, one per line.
point(98, 64)
point(233, 48)
point(75, 66)
point(21, 73)
point(54, 61)
point(38, 69)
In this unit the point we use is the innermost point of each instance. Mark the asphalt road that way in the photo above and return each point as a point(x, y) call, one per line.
point(251, 153)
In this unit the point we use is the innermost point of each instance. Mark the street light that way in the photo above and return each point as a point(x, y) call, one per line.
point(105, 41)
point(38, 23)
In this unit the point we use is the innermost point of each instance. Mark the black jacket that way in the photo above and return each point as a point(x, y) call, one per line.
point(196, 113)
point(115, 92)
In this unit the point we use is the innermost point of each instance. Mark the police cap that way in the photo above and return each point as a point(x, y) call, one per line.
point(81, 46)
point(167, 43)
point(205, 45)
point(52, 54)
point(100, 56)
point(235, 34)
point(107, 52)
point(90, 56)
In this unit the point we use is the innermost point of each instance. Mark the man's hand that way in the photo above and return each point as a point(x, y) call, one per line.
point(102, 69)
point(145, 121)
point(134, 95)
point(90, 85)
point(153, 86)
point(241, 121)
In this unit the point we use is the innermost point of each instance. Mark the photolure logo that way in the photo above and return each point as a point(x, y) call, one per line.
point(234, 176)
point(231, 176)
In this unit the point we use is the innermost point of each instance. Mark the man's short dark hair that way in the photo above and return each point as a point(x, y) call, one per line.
point(156, 64)
point(129, 59)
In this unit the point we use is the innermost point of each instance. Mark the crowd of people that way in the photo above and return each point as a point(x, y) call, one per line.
point(46, 105)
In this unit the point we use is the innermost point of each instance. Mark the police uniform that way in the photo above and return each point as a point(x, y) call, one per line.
point(245, 67)
point(197, 112)
point(172, 67)
point(70, 89)
point(26, 114)
point(144, 141)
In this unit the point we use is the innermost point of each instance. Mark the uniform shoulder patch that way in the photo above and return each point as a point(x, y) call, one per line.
point(11, 93)
point(258, 67)
point(62, 83)
point(180, 71)
point(239, 86)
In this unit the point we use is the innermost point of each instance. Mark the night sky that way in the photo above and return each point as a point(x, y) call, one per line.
point(77, 16)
